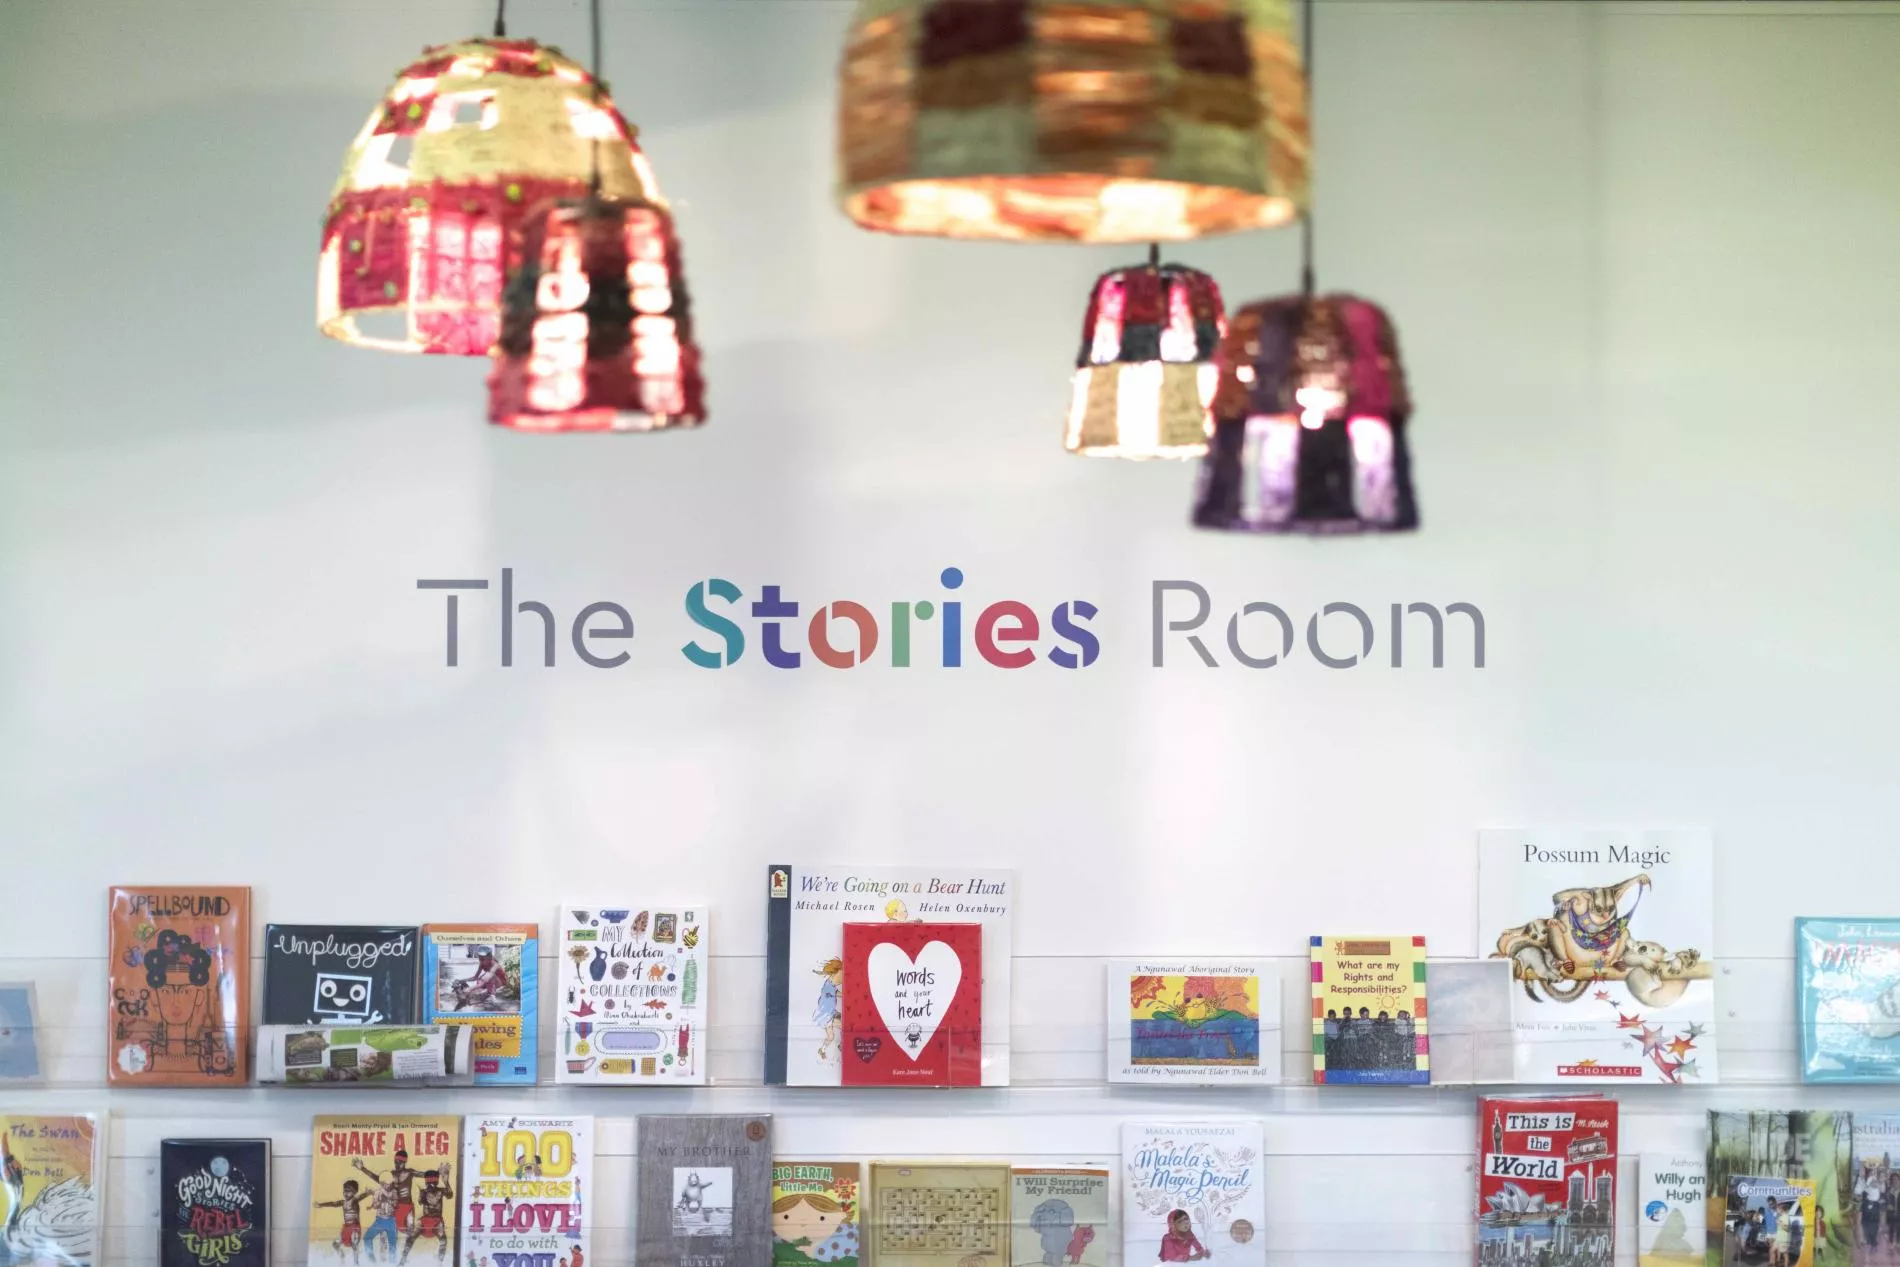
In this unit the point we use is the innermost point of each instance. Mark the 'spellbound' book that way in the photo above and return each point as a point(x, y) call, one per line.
point(179, 982)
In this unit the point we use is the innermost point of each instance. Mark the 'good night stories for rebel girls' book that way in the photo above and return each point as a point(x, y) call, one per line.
point(214, 1203)
point(1192, 1192)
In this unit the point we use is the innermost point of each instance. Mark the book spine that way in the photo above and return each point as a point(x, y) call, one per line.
point(778, 973)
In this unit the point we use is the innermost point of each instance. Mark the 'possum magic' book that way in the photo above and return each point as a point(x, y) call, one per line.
point(807, 909)
point(1192, 1192)
point(1609, 936)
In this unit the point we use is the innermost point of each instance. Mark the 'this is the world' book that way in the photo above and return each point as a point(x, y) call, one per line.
point(214, 1202)
point(179, 963)
point(1547, 1181)
point(1369, 1023)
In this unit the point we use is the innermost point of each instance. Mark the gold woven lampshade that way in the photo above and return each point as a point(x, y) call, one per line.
point(1072, 120)
point(424, 223)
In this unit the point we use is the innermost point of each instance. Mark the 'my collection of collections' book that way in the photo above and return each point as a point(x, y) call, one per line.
point(1600, 973)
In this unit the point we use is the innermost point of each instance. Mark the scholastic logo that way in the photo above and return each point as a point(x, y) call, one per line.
point(1594, 1070)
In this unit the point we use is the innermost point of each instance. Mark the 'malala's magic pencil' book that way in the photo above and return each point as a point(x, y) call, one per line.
point(1193, 1192)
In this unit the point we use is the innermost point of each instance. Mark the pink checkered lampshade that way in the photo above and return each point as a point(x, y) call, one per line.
point(1146, 374)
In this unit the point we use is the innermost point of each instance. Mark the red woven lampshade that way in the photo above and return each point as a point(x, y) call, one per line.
point(424, 222)
point(596, 328)
point(1145, 375)
point(1309, 422)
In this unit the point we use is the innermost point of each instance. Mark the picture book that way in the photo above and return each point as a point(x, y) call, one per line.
point(1547, 1181)
point(383, 1189)
point(704, 1191)
point(1471, 1021)
point(1059, 1216)
point(485, 977)
point(419, 1055)
point(816, 1214)
point(179, 1004)
point(913, 1005)
point(19, 1034)
point(1817, 1146)
point(525, 1184)
point(1874, 1201)
point(633, 987)
point(1670, 1226)
point(806, 912)
point(214, 1203)
point(54, 1172)
point(1193, 1022)
point(1847, 987)
point(929, 1214)
point(1193, 1192)
point(1609, 934)
point(341, 974)
point(1768, 1219)
point(1369, 1023)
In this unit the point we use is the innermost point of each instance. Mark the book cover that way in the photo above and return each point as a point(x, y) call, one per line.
point(1801, 1145)
point(1609, 934)
point(341, 974)
point(19, 1033)
point(1059, 1216)
point(380, 1185)
point(1670, 1226)
point(179, 986)
point(1193, 1192)
point(1193, 1022)
point(419, 1055)
point(816, 1213)
point(1369, 1023)
point(806, 911)
point(1767, 1219)
point(214, 1202)
point(526, 1182)
point(913, 1005)
point(704, 1194)
point(1547, 1181)
point(632, 995)
point(1872, 1208)
point(485, 977)
point(53, 1167)
point(929, 1214)
point(1847, 986)
point(1471, 1021)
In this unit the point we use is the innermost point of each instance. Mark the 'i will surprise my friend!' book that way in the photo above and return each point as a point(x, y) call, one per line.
point(913, 1005)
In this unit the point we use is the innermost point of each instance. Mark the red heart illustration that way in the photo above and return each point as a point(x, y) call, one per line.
point(867, 1048)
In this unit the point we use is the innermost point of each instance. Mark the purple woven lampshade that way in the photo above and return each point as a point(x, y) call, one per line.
point(1145, 374)
point(596, 328)
point(1309, 422)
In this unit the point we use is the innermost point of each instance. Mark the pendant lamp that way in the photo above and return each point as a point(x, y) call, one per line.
point(1309, 422)
point(1071, 120)
point(1145, 375)
point(596, 327)
point(423, 225)
point(1310, 413)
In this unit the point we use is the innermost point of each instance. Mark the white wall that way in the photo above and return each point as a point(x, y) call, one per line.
point(1643, 263)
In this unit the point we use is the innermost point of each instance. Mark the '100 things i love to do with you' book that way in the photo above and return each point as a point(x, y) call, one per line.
point(528, 1182)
